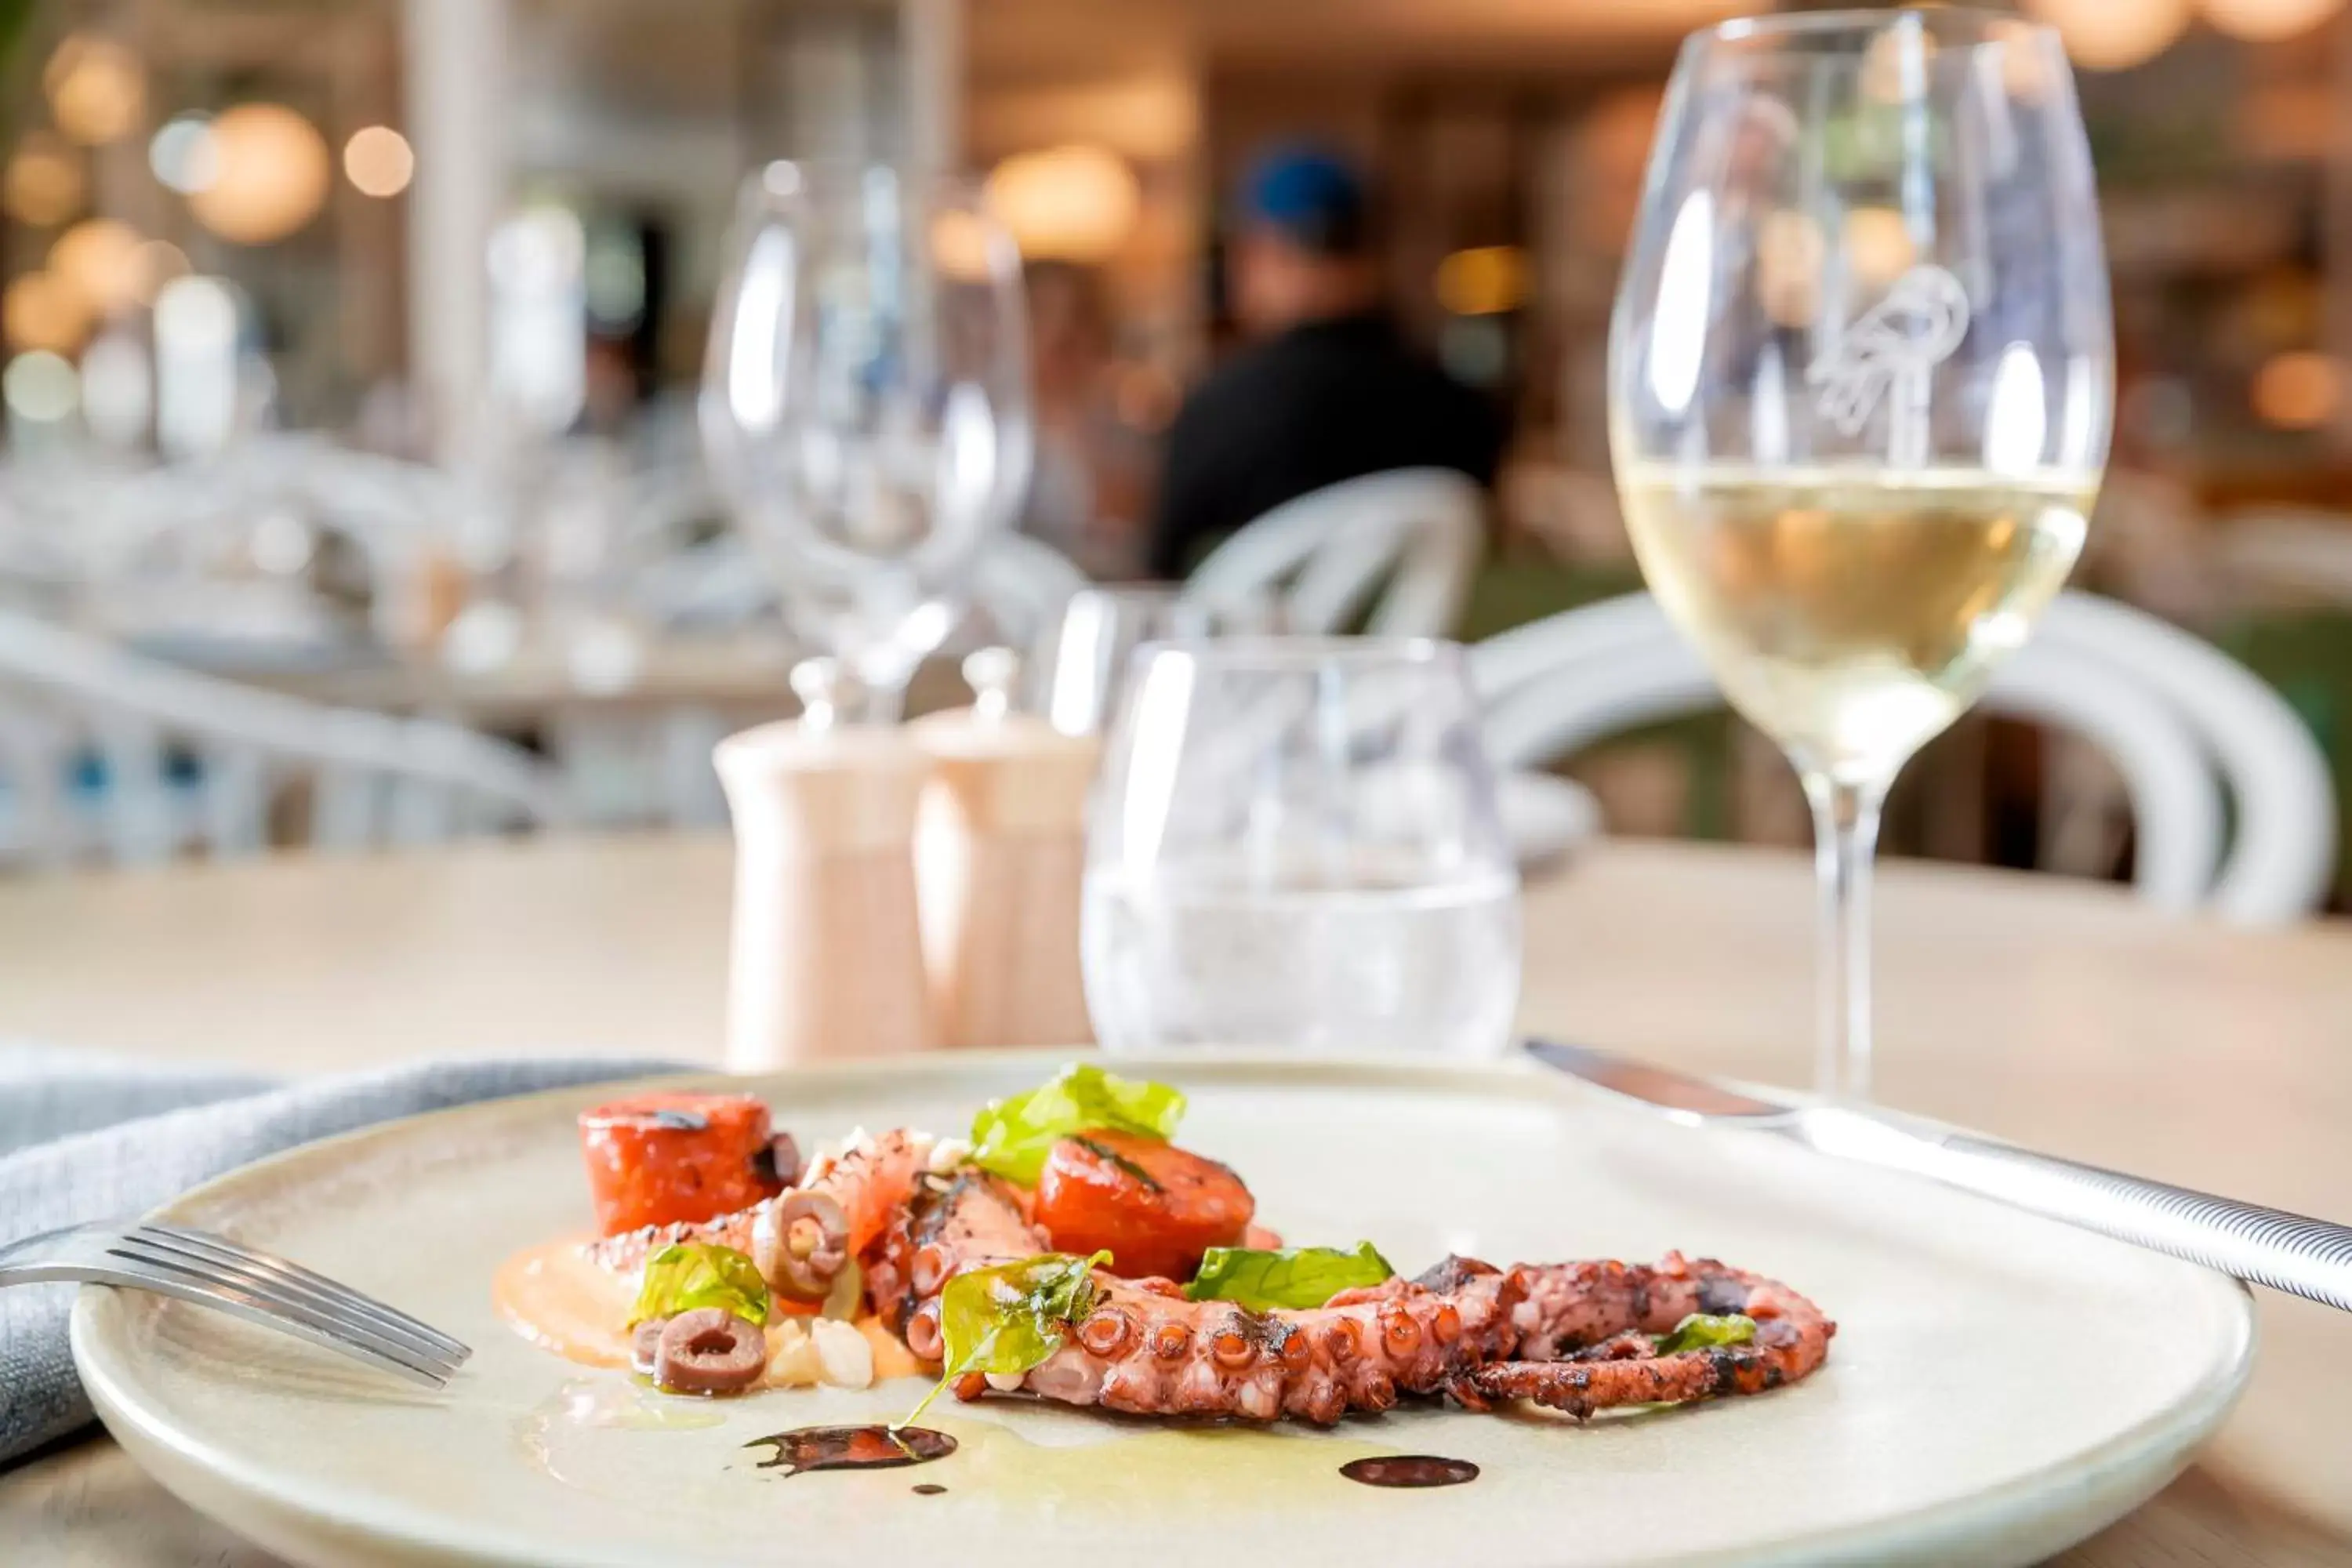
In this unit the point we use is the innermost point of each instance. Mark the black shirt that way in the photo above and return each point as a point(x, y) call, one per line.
point(1321, 403)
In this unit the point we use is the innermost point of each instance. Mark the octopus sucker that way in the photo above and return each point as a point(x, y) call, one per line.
point(1600, 1316)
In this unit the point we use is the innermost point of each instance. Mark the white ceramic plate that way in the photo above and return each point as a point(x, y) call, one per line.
point(1998, 1387)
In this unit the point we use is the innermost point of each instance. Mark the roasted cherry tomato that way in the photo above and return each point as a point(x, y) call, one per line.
point(1156, 1207)
point(670, 1159)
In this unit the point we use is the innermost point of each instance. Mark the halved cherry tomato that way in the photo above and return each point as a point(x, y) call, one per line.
point(671, 1159)
point(1155, 1206)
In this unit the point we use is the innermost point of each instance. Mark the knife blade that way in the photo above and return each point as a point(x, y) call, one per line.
point(1686, 1098)
point(2290, 1252)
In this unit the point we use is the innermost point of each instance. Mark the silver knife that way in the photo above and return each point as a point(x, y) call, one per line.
point(2306, 1258)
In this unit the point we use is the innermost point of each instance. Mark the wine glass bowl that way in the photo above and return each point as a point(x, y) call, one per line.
point(865, 401)
point(1861, 381)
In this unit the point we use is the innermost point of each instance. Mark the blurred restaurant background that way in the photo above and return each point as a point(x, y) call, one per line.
point(352, 345)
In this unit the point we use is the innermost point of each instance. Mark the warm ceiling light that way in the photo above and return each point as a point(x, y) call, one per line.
point(100, 258)
point(2264, 21)
point(1487, 280)
point(97, 88)
point(378, 161)
point(2298, 390)
point(42, 310)
point(1069, 203)
point(2108, 34)
point(270, 175)
point(44, 185)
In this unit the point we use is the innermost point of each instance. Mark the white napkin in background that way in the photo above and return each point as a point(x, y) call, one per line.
point(85, 1137)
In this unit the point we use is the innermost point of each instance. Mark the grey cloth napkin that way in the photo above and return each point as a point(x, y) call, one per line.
point(85, 1137)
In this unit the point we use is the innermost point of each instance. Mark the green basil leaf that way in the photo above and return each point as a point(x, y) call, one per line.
point(1701, 1332)
point(1008, 1319)
point(692, 1274)
point(1297, 1278)
point(1011, 1137)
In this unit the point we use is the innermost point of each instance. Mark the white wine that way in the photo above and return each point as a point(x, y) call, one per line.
point(1850, 613)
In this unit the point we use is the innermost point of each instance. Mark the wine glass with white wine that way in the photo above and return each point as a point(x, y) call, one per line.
point(1861, 377)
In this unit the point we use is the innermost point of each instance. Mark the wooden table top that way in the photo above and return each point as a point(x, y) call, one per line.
point(2059, 1015)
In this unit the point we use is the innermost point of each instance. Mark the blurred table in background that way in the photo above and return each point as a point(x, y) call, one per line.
point(748, 672)
point(2054, 1013)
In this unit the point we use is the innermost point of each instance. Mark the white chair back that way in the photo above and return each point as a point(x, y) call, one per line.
point(70, 703)
point(1024, 585)
point(2165, 706)
point(1421, 529)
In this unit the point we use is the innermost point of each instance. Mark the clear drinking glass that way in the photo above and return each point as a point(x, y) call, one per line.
point(865, 403)
point(1294, 843)
point(1861, 375)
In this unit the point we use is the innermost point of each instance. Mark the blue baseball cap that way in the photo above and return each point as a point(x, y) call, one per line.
point(1311, 195)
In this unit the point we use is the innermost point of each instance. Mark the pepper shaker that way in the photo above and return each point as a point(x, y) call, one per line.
point(1001, 861)
point(826, 959)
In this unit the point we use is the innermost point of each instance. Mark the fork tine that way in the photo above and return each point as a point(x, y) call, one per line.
point(348, 1306)
point(357, 1333)
point(124, 1270)
point(292, 1279)
point(228, 1249)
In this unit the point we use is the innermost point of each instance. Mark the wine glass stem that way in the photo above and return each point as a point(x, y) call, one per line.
point(882, 702)
point(1845, 838)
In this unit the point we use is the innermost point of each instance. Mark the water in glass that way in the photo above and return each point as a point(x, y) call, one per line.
point(1295, 844)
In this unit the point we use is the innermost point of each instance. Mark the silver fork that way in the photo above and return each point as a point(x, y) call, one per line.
point(213, 1271)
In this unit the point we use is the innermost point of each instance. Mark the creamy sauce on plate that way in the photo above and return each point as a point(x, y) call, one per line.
point(553, 1296)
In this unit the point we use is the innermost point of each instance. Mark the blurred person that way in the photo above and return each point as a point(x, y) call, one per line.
point(1327, 389)
point(1087, 488)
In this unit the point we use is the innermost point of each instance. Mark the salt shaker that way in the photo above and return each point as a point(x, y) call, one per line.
point(826, 959)
point(1001, 859)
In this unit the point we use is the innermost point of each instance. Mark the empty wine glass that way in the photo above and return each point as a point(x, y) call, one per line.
point(1293, 842)
point(1861, 370)
point(1078, 670)
point(865, 403)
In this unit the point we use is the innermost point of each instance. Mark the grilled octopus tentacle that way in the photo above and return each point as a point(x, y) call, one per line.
point(1465, 1328)
point(1146, 1350)
point(1583, 1330)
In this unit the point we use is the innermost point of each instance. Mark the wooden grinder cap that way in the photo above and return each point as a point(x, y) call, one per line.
point(812, 786)
point(1002, 772)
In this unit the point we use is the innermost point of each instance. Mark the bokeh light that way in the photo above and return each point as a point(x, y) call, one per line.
point(41, 387)
point(961, 247)
point(182, 155)
point(271, 174)
point(1878, 245)
point(2266, 21)
point(101, 259)
point(378, 161)
point(97, 88)
point(2109, 35)
point(42, 310)
point(159, 261)
point(1486, 280)
point(1077, 202)
point(1789, 255)
point(2298, 390)
point(118, 387)
point(44, 185)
